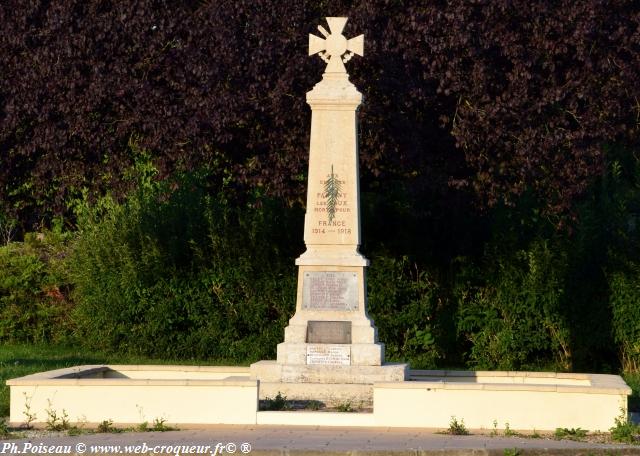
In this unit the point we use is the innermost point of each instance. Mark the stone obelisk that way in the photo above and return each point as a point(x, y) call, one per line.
point(331, 339)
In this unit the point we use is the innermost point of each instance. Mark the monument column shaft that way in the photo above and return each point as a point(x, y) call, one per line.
point(333, 154)
point(332, 221)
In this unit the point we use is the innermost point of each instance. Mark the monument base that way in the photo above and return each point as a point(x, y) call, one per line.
point(330, 384)
point(359, 395)
point(272, 371)
point(290, 353)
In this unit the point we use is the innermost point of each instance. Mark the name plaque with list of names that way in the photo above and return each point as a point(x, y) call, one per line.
point(333, 355)
point(330, 290)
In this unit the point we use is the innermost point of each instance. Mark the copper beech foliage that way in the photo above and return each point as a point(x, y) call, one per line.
point(497, 96)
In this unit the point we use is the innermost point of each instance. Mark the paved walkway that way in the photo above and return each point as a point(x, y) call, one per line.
point(281, 440)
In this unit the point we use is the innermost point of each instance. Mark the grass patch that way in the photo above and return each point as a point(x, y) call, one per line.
point(21, 359)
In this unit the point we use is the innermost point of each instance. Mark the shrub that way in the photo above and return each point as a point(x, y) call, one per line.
point(34, 288)
point(624, 269)
point(4, 428)
point(633, 380)
point(513, 320)
point(174, 272)
point(625, 304)
point(407, 305)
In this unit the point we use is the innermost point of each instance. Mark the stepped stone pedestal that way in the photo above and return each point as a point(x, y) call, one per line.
point(331, 340)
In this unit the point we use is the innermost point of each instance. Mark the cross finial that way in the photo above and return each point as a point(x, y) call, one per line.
point(335, 44)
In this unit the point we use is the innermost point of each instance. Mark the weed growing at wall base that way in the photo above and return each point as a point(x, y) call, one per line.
point(279, 402)
point(106, 426)
point(571, 434)
point(56, 421)
point(624, 430)
point(457, 427)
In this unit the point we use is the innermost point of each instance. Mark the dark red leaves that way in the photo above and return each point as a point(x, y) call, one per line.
point(500, 96)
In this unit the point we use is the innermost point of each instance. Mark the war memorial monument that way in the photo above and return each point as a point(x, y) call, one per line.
point(331, 353)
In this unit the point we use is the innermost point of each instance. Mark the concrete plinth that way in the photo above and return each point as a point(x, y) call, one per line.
point(332, 385)
point(330, 394)
point(272, 371)
point(360, 354)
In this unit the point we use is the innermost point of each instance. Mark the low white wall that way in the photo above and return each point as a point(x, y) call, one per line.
point(525, 407)
point(167, 372)
point(588, 401)
point(137, 401)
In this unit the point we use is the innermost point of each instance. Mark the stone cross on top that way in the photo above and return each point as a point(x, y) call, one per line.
point(335, 45)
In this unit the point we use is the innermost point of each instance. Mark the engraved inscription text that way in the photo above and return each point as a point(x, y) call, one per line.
point(330, 291)
point(337, 355)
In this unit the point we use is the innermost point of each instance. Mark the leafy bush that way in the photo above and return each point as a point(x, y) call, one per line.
point(4, 428)
point(513, 320)
point(625, 303)
point(633, 380)
point(621, 197)
point(406, 305)
point(34, 285)
point(173, 272)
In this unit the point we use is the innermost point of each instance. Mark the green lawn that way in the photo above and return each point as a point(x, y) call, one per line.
point(20, 360)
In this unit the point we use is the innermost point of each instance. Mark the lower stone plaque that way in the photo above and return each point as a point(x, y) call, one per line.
point(328, 332)
point(334, 355)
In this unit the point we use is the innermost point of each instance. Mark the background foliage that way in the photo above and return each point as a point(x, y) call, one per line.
point(174, 272)
point(153, 168)
point(34, 289)
point(499, 97)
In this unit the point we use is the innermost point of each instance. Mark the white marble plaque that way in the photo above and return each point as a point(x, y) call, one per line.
point(333, 355)
point(326, 290)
